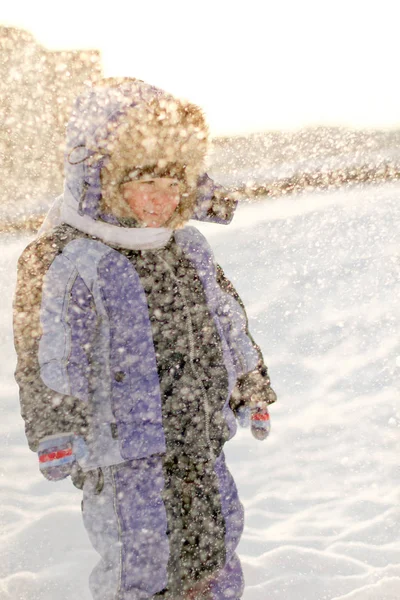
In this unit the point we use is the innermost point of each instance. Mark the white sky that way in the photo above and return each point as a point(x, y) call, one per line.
point(251, 65)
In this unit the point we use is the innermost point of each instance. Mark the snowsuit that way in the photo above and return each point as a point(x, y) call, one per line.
point(133, 346)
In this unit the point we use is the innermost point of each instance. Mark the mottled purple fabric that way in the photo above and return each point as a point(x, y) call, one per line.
point(143, 527)
point(229, 584)
point(125, 516)
point(136, 400)
point(89, 201)
point(232, 508)
point(81, 319)
point(86, 129)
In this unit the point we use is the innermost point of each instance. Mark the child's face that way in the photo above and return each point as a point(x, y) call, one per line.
point(152, 200)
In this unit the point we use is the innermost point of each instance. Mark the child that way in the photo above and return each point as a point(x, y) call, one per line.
point(133, 350)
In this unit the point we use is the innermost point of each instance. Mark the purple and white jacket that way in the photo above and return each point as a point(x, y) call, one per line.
point(94, 311)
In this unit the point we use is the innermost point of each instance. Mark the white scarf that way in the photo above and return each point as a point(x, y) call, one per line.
point(65, 210)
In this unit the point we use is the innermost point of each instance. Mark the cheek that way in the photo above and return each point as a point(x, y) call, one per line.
point(166, 201)
point(173, 203)
point(173, 199)
point(136, 200)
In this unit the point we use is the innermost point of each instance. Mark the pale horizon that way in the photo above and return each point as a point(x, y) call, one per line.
point(253, 68)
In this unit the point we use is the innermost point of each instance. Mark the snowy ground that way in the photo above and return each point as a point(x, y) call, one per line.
point(320, 277)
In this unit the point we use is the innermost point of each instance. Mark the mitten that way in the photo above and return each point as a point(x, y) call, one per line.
point(58, 455)
point(250, 400)
point(257, 416)
point(260, 423)
point(213, 203)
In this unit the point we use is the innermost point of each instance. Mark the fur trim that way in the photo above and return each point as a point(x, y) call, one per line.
point(165, 136)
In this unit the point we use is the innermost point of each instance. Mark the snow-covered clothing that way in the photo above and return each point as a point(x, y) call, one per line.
point(130, 343)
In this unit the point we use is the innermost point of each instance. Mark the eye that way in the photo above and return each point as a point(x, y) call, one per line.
point(175, 184)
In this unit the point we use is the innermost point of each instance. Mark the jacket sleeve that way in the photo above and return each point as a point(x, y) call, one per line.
point(213, 203)
point(256, 383)
point(46, 408)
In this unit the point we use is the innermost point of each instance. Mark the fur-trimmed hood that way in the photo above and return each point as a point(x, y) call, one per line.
point(121, 125)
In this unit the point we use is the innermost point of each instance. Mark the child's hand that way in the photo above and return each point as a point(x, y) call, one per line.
point(257, 416)
point(250, 400)
point(58, 454)
point(259, 419)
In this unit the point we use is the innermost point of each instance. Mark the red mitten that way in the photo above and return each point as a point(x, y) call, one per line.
point(250, 400)
point(58, 455)
point(260, 422)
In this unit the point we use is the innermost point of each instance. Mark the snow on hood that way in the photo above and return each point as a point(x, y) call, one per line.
point(91, 123)
point(91, 131)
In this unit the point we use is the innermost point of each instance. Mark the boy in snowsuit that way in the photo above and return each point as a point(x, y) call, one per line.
point(133, 351)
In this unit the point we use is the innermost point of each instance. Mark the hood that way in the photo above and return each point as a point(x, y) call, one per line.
point(122, 124)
